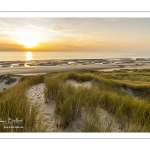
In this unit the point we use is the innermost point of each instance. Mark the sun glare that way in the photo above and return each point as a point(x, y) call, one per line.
point(28, 56)
point(27, 38)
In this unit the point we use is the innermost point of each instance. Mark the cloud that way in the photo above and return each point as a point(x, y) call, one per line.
point(57, 28)
point(48, 33)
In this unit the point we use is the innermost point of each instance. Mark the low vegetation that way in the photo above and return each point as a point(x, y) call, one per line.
point(16, 112)
point(132, 113)
point(109, 91)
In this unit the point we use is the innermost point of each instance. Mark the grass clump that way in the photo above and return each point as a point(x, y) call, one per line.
point(53, 85)
point(132, 113)
point(91, 123)
point(14, 106)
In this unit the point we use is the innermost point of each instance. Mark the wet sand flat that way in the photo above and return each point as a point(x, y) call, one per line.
point(45, 66)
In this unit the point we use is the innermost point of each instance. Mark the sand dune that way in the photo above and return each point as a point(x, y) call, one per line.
point(36, 96)
point(7, 81)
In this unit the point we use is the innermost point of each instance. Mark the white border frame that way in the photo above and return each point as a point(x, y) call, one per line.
point(67, 14)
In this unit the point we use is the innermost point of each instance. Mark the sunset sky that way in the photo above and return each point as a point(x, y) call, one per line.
point(75, 34)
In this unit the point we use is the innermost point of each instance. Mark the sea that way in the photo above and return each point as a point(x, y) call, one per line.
point(25, 56)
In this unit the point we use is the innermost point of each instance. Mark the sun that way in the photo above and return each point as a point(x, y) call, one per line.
point(28, 38)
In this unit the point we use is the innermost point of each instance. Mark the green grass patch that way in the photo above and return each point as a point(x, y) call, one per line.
point(14, 106)
point(132, 113)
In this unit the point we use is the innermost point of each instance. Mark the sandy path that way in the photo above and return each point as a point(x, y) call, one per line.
point(36, 95)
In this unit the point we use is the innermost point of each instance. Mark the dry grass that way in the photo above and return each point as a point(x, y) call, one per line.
point(133, 114)
point(14, 104)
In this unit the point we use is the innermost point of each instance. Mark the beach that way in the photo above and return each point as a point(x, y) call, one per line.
point(46, 66)
point(12, 71)
point(81, 100)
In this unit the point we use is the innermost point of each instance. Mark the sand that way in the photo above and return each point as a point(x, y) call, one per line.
point(36, 96)
point(132, 93)
point(105, 117)
point(4, 86)
point(108, 121)
point(36, 93)
point(45, 66)
point(86, 84)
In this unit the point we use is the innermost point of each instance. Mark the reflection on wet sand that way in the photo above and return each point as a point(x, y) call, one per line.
point(44, 66)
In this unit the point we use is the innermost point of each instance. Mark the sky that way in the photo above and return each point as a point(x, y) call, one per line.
point(75, 34)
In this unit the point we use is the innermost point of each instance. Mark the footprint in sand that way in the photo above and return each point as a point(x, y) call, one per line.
point(36, 96)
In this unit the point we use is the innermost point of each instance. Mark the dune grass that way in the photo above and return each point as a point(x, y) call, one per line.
point(14, 106)
point(132, 113)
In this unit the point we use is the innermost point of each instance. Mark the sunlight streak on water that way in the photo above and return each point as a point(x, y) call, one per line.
point(29, 56)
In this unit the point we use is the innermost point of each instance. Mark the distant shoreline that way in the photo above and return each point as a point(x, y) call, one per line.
point(46, 66)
